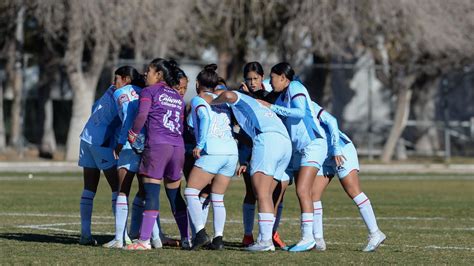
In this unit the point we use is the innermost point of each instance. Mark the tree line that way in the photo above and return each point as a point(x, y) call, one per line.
point(415, 41)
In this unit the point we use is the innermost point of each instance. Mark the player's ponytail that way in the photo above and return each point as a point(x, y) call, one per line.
point(208, 77)
point(132, 73)
point(284, 68)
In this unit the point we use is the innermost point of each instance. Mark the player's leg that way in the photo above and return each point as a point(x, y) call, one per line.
point(349, 177)
point(278, 195)
point(319, 185)
point(198, 179)
point(248, 210)
point(91, 181)
point(220, 184)
point(138, 206)
point(172, 180)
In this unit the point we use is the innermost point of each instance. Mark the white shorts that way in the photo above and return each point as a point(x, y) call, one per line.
point(97, 157)
point(129, 160)
point(271, 154)
point(352, 163)
point(218, 164)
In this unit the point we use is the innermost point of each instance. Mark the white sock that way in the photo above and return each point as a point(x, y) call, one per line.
point(138, 206)
point(366, 211)
point(318, 220)
point(307, 226)
point(248, 213)
point(219, 213)
point(155, 233)
point(114, 201)
point(278, 216)
point(87, 203)
point(265, 224)
point(194, 207)
point(121, 215)
point(205, 209)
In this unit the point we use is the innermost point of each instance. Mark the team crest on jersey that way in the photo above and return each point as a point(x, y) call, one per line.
point(123, 99)
point(134, 94)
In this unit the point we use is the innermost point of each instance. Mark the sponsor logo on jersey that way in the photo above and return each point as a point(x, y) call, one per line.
point(165, 99)
point(123, 99)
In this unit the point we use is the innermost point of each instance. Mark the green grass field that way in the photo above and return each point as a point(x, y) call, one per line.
point(427, 219)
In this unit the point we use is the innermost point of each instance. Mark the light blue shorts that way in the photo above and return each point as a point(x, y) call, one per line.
point(271, 154)
point(129, 160)
point(91, 156)
point(218, 164)
point(352, 163)
point(312, 155)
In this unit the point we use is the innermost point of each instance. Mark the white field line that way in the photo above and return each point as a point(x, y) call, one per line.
point(50, 227)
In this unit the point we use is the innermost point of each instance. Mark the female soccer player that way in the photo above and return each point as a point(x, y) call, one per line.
point(161, 111)
point(96, 154)
point(341, 159)
point(216, 154)
point(255, 87)
point(269, 161)
point(128, 84)
point(308, 139)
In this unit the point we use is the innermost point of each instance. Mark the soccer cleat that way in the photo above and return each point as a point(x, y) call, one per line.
point(87, 241)
point(303, 245)
point(114, 243)
point(262, 246)
point(169, 242)
point(247, 240)
point(217, 243)
point(128, 241)
point(185, 244)
point(139, 245)
point(320, 244)
point(277, 242)
point(201, 239)
point(375, 240)
point(156, 243)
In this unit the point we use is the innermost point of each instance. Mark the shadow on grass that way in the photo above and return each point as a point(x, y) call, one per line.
point(51, 238)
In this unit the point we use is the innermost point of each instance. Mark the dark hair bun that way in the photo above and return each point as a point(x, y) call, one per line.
point(210, 67)
point(173, 63)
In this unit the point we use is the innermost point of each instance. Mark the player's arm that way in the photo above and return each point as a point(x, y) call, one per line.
point(204, 121)
point(297, 109)
point(143, 110)
point(334, 136)
point(225, 97)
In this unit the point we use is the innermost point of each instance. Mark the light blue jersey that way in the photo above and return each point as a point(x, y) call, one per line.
point(336, 139)
point(126, 101)
point(254, 118)
point(271, 151)
point(338, 144)
point(101, 127)
point(295, 108)
point(212, 127)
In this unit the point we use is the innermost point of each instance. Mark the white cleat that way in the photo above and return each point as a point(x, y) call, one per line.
point(156, 243)
point(303, 245)
point(114, 243)
point(262, 246)
point(320, 244)
point(375, 240)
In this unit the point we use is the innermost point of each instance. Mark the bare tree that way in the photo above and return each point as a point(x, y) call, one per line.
point(423, 38)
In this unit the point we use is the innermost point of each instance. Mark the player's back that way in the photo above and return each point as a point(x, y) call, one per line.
point(302, 130)
point(165, 118)
point(101, 127)
point(254, 118)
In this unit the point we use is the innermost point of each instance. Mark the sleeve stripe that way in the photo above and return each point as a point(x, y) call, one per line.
point(297, 95)
point(320, 112)
point(197, 107)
